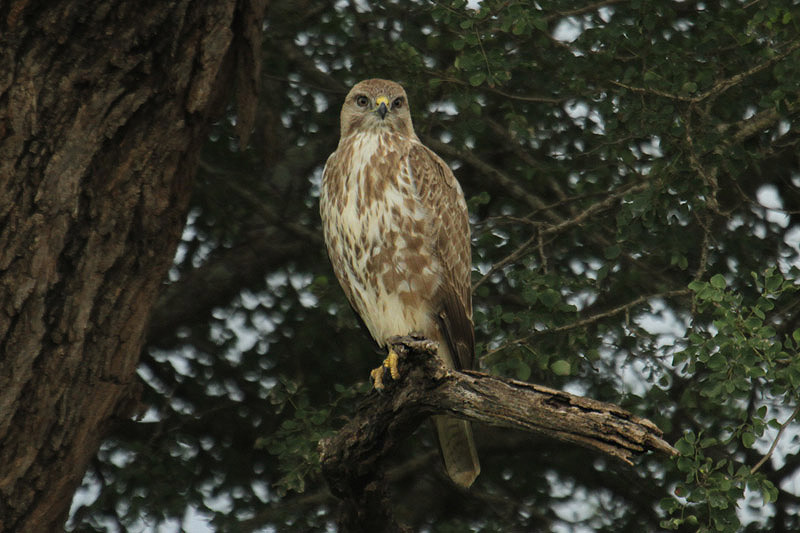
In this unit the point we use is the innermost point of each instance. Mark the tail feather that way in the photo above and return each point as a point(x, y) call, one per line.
point(458, 449)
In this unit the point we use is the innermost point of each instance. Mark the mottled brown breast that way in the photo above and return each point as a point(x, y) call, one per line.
point(377, 233)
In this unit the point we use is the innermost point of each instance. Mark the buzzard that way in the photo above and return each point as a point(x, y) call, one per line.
point(397, 233)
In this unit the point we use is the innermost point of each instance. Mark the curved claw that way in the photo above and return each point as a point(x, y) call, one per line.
point(391, 363)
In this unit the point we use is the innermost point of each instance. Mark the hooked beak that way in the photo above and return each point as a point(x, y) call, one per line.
point(383, 108)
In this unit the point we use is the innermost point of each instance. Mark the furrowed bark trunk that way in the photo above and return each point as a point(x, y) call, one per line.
point(103, 108)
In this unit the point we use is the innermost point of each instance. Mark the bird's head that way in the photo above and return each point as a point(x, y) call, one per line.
point(378, 105)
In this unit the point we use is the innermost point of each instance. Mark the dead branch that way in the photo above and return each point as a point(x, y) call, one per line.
point(352, 459)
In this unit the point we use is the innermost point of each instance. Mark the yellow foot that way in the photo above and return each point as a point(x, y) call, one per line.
point(391, 363)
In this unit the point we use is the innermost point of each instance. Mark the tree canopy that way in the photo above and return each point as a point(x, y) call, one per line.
point(632, 169)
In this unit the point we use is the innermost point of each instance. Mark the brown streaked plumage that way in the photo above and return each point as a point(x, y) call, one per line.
point(397, 232)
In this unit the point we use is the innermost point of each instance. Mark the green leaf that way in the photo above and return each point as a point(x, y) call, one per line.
point(769, 490)
point(523, 371)
point(650, 76)
point(684, 446)
point(669, 504)
point(774, 282)
point(748, 439)
point(686, 464)
point(696, 286)
point(549, 297)
point(718, 281)
point(708, 441)
point(753, 323)
point(482, 198)
point(717, 362)
point(477, 78)
point(560, 367)
point(613, 251)
point(767, 332)
point(717, 500)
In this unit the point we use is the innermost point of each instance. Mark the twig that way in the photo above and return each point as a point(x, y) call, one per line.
point(557, 228)
point(513, 256)
point(719, 87)
point(485, 59)
point(504, 181)
point(582, 10)
point(710, 178)
point(703, 264)
point(520, 97)
point(624, 308)
point(542, 255)
point(775, 442)
point(647, 90)
point(595, 208)
point(523, 98)
point(726, 84)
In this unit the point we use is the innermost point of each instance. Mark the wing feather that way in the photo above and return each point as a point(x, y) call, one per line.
point(441, 195)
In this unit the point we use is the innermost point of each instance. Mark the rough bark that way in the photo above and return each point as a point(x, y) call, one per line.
point(102, 110)
point(352, 459)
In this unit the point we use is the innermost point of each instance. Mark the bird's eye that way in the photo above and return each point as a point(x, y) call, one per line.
point(398, 103)
point(362, 101)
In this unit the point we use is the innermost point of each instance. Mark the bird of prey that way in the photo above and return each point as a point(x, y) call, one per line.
point(397, 233)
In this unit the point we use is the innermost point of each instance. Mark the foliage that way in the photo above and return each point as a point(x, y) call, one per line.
point(294, 443)
point(632, 174)
point(728, 359)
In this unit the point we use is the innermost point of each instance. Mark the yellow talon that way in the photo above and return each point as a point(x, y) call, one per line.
point(391, 363)
point(377, 377)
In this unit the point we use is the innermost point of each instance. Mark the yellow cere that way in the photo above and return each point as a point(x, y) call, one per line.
point(381, 100)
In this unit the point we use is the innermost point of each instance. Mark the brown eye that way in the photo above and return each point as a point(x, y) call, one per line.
point(398, 103)
point(362, 101)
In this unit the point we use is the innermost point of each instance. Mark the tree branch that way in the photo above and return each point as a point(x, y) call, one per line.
point(352, 459)
point(771, 450)
point(721, 86)
point(191, 298)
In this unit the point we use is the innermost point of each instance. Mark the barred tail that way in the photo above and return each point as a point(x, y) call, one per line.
point(458, 449)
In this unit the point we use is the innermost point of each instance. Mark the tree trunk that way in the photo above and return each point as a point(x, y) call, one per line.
point(103, 108)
